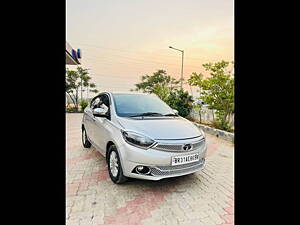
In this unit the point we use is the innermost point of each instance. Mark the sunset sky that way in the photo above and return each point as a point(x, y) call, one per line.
point(122, 40)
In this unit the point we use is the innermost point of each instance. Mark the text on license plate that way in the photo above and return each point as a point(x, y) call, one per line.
point(179, 160)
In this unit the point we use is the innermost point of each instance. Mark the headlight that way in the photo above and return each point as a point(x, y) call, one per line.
point(137, 140)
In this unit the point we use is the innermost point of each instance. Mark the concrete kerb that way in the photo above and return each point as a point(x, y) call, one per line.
point(219, 133)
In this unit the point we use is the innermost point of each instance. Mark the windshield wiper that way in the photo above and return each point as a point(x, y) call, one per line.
point(147, 114)
point(170, 114)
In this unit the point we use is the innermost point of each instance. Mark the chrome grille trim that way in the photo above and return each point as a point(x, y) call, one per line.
point(163, 171)
point(177, 147)
point(179, 166)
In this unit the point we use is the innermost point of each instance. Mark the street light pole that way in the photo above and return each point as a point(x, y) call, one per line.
point(182, 54)
point(182, 68)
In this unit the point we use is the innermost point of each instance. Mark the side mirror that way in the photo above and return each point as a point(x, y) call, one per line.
point(100, 112)
point(175, 111)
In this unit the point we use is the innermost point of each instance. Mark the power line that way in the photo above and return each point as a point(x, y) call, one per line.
point(144, 66)
point(122, 50)
point(116, 77)
point(139, 70)
point(141, 60)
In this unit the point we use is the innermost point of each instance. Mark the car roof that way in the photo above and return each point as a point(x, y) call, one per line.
point(111, 93)
point(128, 93)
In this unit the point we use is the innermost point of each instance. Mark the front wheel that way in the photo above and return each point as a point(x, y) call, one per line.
point(114, 166)
point(85, 141)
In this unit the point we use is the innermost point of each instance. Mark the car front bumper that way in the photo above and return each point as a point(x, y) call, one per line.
point(159, 162)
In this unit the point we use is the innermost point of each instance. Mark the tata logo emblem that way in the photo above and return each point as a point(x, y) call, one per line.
point(187, 147)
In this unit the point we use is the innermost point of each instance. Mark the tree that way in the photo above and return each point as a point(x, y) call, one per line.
point(76, 80)
point(159, 83)
point(196, 79)
point(217, 91)
point(179, 99)
point(198, 106)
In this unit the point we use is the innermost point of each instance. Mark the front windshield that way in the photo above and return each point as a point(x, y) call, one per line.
point(134, 104)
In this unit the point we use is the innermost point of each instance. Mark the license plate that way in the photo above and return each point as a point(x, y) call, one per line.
point(180, 160)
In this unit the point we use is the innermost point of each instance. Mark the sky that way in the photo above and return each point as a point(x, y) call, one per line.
point(121, 40)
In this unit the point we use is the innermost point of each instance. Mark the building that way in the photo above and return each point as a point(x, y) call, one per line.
point(72, 56)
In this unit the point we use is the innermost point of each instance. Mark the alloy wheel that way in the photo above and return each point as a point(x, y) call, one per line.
point(113, 163)
point(84, 137)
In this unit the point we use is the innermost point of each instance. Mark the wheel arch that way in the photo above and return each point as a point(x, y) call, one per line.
point(110, 143)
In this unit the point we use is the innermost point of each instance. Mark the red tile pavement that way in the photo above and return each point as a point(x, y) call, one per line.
point(229, 210)
point(82, 158)
point(211, 148)
point(140, 208)
point(228, 218)
point(86, 181)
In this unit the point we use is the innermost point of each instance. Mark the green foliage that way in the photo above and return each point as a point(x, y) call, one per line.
point(179, 100)
point(162, 92)
point(222, 125)
point(217, 91)
point(159, 83)
point(83, 104)
point(72, 109)
point(199, 107)
point(77, 82)
point(196, 79)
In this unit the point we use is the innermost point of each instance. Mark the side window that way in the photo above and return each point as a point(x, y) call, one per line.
point(105, 101)
point(95, 103)
point(101, 101)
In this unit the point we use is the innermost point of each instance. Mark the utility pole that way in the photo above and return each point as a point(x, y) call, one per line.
point(182, 67)
point(182, 54)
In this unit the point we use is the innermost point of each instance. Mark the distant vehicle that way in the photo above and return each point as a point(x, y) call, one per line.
point(199, 101)
point(142, 137)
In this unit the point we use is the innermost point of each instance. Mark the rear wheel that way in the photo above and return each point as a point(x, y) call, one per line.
point(85, 141)
point(114, 166)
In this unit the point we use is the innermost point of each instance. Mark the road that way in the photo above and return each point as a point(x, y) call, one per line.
point(204, 198)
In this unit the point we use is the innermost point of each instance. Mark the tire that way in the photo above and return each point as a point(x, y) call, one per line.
point(116, 177)
point(84, 139)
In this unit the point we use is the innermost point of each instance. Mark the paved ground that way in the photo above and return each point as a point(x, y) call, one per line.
point(205, 197)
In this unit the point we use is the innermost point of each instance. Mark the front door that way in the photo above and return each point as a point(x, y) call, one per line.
point(101, 125)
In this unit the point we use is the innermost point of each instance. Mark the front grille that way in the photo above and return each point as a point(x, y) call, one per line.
point(178, 166)
point(178, 169)
point(178, 147)
point(168, 148)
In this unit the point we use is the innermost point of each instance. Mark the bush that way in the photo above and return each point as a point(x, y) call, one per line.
point(71, 109)
point(83, 104)
point(179, 100)
point(222, 125)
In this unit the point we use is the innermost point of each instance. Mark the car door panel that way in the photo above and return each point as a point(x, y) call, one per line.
point(100, 133)
point(101, 128)
point(89, 124)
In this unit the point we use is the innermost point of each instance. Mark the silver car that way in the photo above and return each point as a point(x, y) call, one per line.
point(142, 137)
